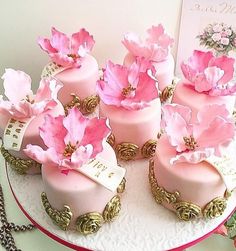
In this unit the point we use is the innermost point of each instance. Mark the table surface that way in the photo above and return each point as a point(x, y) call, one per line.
point(139, 226)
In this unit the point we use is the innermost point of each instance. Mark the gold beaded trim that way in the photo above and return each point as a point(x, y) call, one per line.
point(21, 166)
point(128, 151)
point(86, 106)
point(60, 218)
point(186, 210)
point(168, 91)
point(88, 223)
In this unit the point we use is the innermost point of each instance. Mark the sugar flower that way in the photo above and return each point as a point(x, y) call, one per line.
point(71, 141)
point(22, 103)
point(130, 87)
point(67, 51)
point(155, 48)
point(197, 141)
point(208, 74)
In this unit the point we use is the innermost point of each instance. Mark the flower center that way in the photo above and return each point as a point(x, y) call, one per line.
point(69, 150)
point(74, 56)
point(127, 91)
point(190, 143)
point(28, 99)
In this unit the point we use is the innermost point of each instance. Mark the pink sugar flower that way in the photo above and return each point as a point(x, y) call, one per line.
point(209, 74)
point(155, 48)
point(224, 41)
point(22, 103)
point(216, 37)
point(132, 88)
point(67, 51)
point(71, 140)
point(196, 142)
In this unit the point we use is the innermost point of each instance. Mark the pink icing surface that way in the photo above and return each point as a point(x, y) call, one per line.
point(31, 135)
point(134, 126)
point(187, 96)
point(164, 69)
point(80, 193)
point(197, 183)
point(80, 81)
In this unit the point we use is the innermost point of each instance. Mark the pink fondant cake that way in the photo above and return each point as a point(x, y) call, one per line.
point(129, 98)
point(155, 48)
point(208, 80)
point(80, 173)
point(185, 174)
point(74, 67)
point(80, 193)
point(21, 105)
point(187, 96)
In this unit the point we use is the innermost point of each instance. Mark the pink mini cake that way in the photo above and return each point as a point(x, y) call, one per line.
point(129, 98)
point(74, 67)
point(78, 169)
point(187, 173)
point(208, 80)
point(156, 48)
point(22, 115)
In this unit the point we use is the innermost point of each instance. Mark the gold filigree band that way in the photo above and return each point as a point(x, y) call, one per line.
point(88, 223)
point(129, 151)
point(86, 106)
point(186, 210)
point(168, 91)
point(21, 166)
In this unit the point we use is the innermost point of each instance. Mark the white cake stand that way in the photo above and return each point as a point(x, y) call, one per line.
point(142, 224)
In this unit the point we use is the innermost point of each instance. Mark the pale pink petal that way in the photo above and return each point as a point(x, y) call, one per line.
point(75, 124)
point(189, 73)
point(213, 75)
point(200, 60)
point(45, 45)
point(201, 83)
point(169, 109)
point(36, 153)
point(60, 41)
point(62, 59)
point(43, 106)
point(176, 129)
point(80, 157)
point(95, 132)
point(158, 53)
point(219, 132)
point(227, 65)
point(53, 133)
point(192, 156)
point(146, 89)
point(17, 85)
point(81, 43)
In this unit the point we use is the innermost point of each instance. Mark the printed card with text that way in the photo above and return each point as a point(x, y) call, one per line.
point(207, 25)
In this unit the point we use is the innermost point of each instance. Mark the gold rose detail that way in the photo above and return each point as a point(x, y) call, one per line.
point(21, 166)
point(89, 223)
point(121, 187)
point(159, 193)
point(60, 218)
point(149, 148)
point(112, 208)
point(126, 151)
point(166, 93)
point(89, 104)
point(75, 102)
point(187, 211)
point(111, 140)
point(215, 208)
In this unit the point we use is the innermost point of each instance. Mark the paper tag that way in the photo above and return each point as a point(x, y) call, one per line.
point(14, 133)
point(51, 69)
point(226, 166)
point(103, 172)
